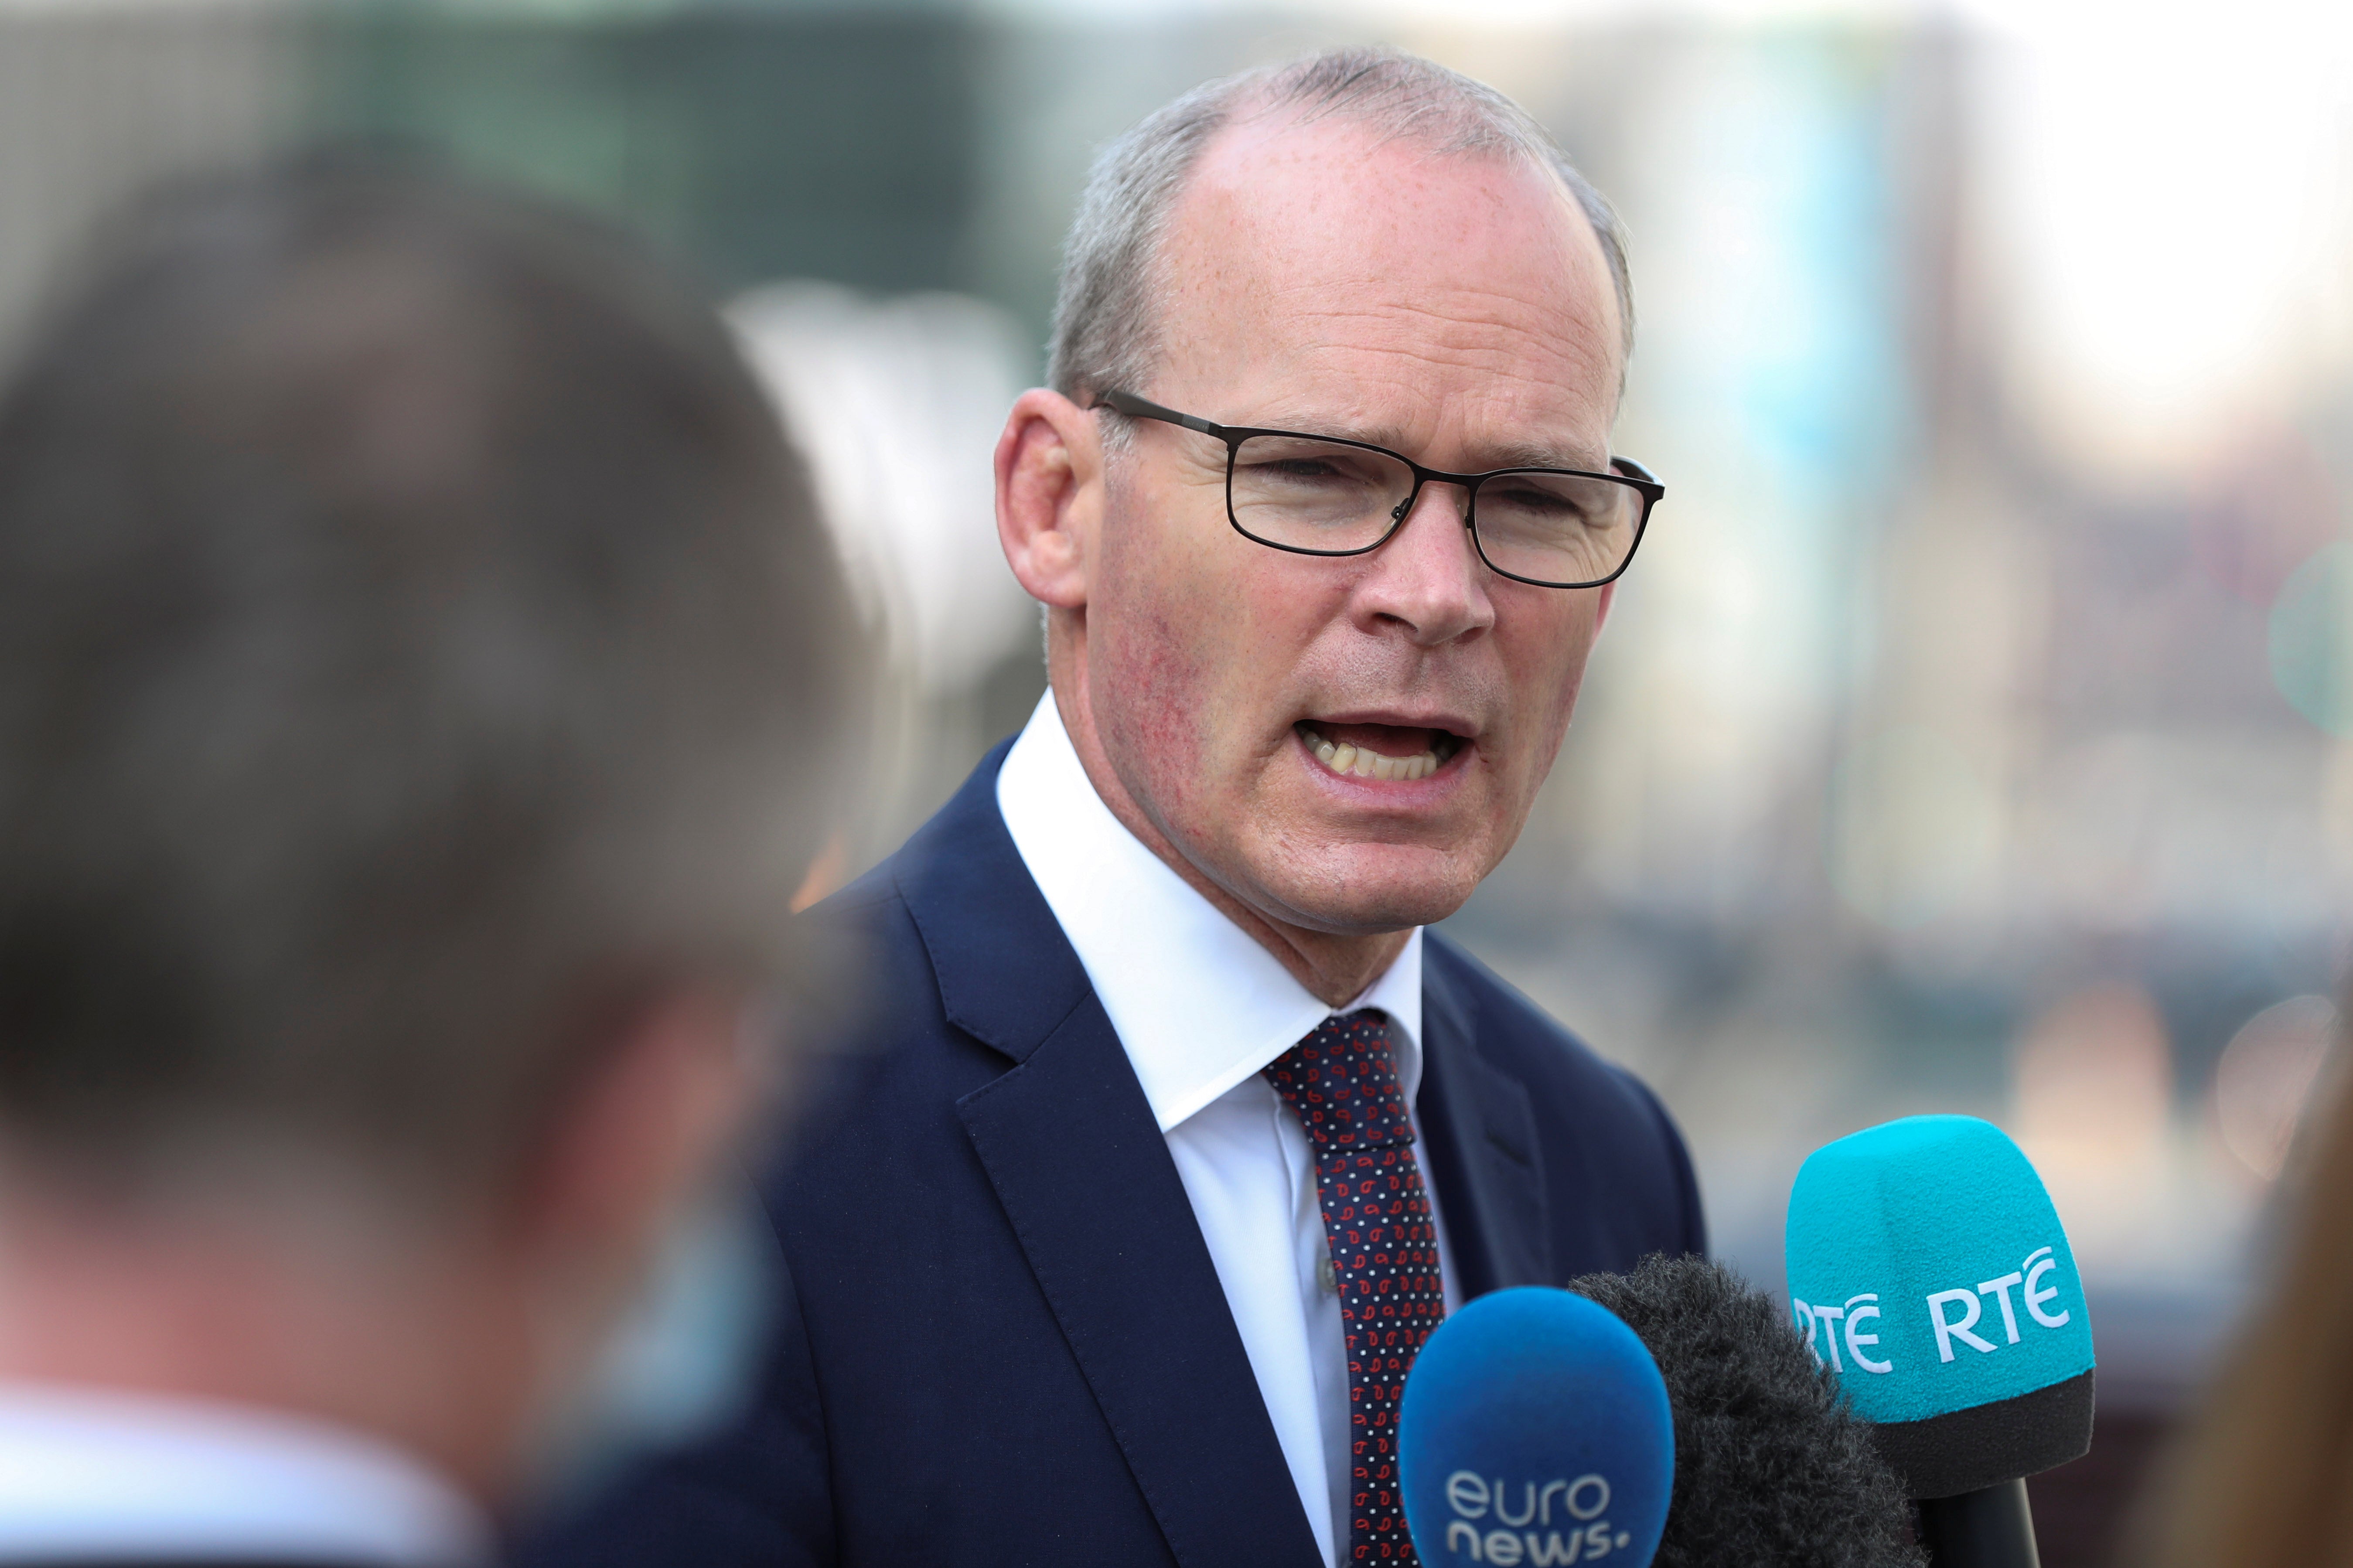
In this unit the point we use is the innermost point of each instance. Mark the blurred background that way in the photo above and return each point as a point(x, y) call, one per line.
point(1974, 732)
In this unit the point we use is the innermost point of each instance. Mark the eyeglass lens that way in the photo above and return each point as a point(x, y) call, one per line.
point(1305, 494)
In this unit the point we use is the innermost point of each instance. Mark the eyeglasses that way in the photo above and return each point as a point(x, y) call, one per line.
point(1321, 495)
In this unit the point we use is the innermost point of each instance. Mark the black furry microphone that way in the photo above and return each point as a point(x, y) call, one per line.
point(1772, 1469)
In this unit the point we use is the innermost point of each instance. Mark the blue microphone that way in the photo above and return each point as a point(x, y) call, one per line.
point(1928, 1270)
point(1534, 1430)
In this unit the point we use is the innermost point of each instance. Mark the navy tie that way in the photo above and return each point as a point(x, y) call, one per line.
point(1343, 1083)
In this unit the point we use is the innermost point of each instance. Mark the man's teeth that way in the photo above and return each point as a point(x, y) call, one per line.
point(1344, 758)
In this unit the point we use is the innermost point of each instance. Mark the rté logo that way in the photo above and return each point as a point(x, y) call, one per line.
point(2027, 1280)
point(1582, 1503)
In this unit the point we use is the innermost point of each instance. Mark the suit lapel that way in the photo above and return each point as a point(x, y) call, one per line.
point(1083, 1172)
point(1481, 1134)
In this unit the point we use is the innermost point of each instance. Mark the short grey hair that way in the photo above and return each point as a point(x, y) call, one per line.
point(419, 653)
point(1106, 311)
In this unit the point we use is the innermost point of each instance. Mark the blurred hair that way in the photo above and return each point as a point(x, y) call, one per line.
point(1106, 310)
point(2263, 1475)
point(419, 649)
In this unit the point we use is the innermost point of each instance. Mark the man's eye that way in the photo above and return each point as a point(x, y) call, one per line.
point(1548, 503)
point(1308, 470)
point(1302, 468)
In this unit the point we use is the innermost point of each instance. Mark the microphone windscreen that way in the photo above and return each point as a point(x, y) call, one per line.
point(1534, 1430)
point(1772, 1470)
point(1929, 1270)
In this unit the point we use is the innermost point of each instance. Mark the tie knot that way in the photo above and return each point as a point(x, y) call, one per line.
point(1342, 1082)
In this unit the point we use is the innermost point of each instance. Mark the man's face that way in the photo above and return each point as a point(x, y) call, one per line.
point(1458, 310)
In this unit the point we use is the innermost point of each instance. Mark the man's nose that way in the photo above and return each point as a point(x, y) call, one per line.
point(1428, 577)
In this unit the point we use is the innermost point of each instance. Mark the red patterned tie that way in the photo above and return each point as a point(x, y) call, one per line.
point(1343, 1083)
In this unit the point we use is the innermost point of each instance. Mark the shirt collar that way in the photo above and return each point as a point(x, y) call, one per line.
point(120, 1474)
point(1199, 1005)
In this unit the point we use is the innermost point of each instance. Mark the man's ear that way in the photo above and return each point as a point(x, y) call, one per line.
point(639, 1134)
point(1049, 493)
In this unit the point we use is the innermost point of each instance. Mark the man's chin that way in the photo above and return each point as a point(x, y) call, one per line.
point(1365, 890)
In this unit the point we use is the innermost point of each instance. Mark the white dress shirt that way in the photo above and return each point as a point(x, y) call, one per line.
point(1201, 1008)
point(116, 1475)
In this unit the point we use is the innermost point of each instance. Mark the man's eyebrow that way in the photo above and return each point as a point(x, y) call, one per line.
point(1509, 455)
point(1520, 455)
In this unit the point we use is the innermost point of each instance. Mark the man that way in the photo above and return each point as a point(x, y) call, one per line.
point(419, 697)
point(1112, 1241)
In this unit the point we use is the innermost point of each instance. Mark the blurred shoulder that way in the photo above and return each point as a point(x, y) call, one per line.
point(873, 1045)
point(870, 961)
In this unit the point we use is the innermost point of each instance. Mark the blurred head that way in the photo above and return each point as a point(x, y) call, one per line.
point(421, 691)
point(1360, 245)
point(2258, 1476)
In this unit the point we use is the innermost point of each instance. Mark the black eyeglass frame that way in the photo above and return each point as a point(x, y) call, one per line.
point(1630, 474)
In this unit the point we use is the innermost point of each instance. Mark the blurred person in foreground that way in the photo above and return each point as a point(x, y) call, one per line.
point(2263, 1475)
point(1113, 1242)
point(420, 678)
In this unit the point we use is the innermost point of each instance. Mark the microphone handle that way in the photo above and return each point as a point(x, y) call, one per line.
point(1990, 1528)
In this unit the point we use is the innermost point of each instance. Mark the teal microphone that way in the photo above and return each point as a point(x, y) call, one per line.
point(1927, 1268)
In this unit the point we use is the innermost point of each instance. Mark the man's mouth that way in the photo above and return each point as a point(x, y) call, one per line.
point(1391, 752)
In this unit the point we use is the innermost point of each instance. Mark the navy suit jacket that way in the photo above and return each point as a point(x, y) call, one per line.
point(1004, 1340)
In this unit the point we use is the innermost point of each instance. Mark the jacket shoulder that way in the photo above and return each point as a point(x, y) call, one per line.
point(1518, 1036)
point(1580, 1100)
